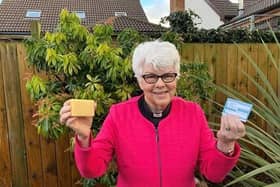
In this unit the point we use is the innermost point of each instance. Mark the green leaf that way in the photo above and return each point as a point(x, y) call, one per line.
point(273, 185)
point(255, 172)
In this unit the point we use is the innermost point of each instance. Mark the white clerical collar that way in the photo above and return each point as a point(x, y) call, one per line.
point(157, 115)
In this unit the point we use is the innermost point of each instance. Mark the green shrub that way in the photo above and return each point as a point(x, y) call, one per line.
point(78, 64)
point(195, 82)
point(185, 24)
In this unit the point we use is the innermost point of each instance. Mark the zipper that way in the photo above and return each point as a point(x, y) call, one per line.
point(159, 159)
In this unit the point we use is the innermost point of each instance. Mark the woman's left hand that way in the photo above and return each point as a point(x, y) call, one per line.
point(231, 130)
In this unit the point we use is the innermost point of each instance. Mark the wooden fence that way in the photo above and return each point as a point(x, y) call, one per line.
point(27, 159)
point(227, 64)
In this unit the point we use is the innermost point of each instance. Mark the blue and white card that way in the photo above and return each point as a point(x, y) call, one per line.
point(238, 108)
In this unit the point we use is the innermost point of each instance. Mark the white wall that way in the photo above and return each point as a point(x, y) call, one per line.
point(210, 19)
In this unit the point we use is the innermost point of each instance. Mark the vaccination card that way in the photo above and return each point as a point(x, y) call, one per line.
point(238, 108)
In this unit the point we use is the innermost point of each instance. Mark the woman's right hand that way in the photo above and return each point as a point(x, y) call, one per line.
point(81, 125)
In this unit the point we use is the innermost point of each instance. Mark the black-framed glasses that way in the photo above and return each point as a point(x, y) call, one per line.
point(153, 78)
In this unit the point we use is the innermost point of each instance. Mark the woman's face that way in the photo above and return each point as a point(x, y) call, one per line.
point(159, 94)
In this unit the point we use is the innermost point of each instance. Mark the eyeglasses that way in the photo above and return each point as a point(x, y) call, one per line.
point(153, 78)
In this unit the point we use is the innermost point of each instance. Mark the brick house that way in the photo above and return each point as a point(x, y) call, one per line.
point(252, 14)
point(16, 15)
point(213, 13)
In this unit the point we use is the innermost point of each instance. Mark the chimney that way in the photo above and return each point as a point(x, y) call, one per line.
point(177, 5)
point(240, 7)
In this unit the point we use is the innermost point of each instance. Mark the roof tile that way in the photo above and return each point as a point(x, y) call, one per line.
point(122, 22)
point(224, 8)
point(12, 13)
point(257, 7)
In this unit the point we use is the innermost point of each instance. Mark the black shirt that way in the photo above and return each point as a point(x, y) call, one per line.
point(147, 113)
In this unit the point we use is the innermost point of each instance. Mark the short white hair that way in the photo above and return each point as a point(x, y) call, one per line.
point(158, 53)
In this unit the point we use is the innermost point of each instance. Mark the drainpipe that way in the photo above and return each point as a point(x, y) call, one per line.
point(252, 23)
point(240, 7)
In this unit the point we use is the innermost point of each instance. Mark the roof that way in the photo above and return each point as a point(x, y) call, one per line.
point(258, 7)
point(121, 22)
point(261, 6)
point(12, 13)
point(248, 3)
point(224, 8)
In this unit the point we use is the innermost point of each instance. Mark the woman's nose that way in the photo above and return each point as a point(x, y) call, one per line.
point(159, 83)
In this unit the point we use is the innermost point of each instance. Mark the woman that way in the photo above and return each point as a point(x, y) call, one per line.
point(157, 139)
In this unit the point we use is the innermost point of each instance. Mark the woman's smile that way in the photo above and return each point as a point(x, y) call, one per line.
point(160, 92)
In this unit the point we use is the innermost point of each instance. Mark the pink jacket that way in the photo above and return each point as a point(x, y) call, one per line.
point(147, 157)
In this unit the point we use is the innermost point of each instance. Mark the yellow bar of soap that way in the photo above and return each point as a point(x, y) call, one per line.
point(82, 107)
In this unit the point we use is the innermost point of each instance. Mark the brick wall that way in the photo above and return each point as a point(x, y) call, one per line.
point(177, 5)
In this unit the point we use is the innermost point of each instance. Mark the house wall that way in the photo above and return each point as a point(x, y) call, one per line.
point(210, 19)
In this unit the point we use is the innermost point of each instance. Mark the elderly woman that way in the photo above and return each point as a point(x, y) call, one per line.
point(157, 139)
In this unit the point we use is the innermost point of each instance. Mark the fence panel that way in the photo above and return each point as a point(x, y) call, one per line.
point(14, 117)
point(32, 140)
point(5, 162)
point(26, 159)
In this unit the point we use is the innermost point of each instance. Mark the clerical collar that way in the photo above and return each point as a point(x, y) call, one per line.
point(157, 115)
point(145, 109)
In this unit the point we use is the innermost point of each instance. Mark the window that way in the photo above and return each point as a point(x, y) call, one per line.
point(120, 14)
point(33, 14)
point(80, 14)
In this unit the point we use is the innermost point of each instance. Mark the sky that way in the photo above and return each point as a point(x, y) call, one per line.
point(156, 9)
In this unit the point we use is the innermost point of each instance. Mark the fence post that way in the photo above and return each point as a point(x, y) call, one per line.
point(35, 29)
